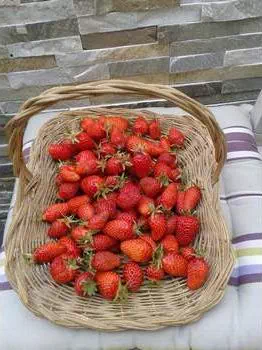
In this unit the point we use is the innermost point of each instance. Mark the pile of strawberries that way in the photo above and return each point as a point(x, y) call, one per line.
point(122, 216)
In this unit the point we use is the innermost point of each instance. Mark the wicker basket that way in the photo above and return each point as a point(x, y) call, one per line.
point(151, 308)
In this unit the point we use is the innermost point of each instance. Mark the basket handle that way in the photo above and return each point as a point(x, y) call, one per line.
point(16, 126)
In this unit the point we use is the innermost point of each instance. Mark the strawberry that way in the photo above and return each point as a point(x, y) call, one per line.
point(81, 235)
point(106, 148)
point(85, 212)
point(71, 247)
point(91, 184)
point(155, 273)
point(119, 229)
point(170, 244)
point(150, 186)
point(154, 149)
point(105, 261)
point(118, 138)
point(106, 205)
point(147, 238)
point(175, 265)
point(162, 170)
point(76, 202)
point(157, 223)
point(63, 268)
point(136, 144)
point(95, 130)
point(167, 158)
point(145, 206)
point(128, 216)
point(197, 275)
point(188, 252)
point(85, 156)
point(68, 173)
point(98, 221)
point(175, 175)
point(186, 229)
point(114, 122)
point(102, 242)
point(165, 144)
point(137, 250)
point(168, 197)
point(180, 202)
point(84, 141)
point(176, 137)
point(55, 211)
point(114, 166)
point(61, 151)
point(47, 252)
point(142, 165)
point(140, 126)
point(68, 190)
point(87, 123)
point(88, 167)
point(128, 197)
point(192, 198)
point(133, 276)
point(85, 285)
point(108, 284)
point(58, 228)
point(154, 129)
point(111, 181)
point(171, 225)
point(58, 180)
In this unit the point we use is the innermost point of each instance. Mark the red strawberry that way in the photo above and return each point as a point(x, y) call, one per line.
point(176, 137)
point(192, 198)
point(188, 252)
point(87, 123)
point(162, 170)
point(145, 206)
point(128, 216)
point(119, 229)
point(186, 229)
point(67, 190)
point(63, 268)
point(55, 211)
point(154, 149)
point(58, 180)
point(89, 167)
point(170, 244)
point(197, 275)
point(105, 261)
point(111, 181)
point(140, 126)
point(98, 221)
point(106, 205)
point(154, 129)
point(114, 122)
point(91, 184)
point(102, 242)
point(85, 212)
point(95, 130)
point(165, 144)
point(128, 197)
point(169, 196)
point(142, 165)
point(114, 166)
point(85, 156)
point(133, 276)
point(180, 202)
point(137, 250)
point(84, 141)
point(175, 265)
point(68, 173)
point(108, 284)
point(171, 225)
point(157, 223)
point(76, 202)
point(150, 186)
point(167, 158)
point(175, 174)
point(85, 285)
point(71, 247)
point(147, 238)
point(47, 252)
point(81, 235)
point(155, 273)
point(118, 138)
point(136, 144)
point(58, 228)
point(106, 148)
point(61, 151)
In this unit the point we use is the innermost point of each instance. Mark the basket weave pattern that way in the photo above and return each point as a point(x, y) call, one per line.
point(151, 308)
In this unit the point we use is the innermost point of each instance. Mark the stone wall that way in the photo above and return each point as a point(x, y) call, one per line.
point(211, 49)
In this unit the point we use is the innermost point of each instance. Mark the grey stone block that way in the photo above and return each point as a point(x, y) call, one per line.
point(201, 89)
point(27, 63)
point(136, 67)
point(88, 72)
point(55, 76)
point(20, 94)
point(10, 107)
point(7, 184)
point(84, 7)
point(9, 3)
point(3, 51)
point(4, 83)
point(234, 42)
point(119, 38)
point(246, 56)
point(238, 85)
point(45, 47)
point(3, 150)
point(196, 62)
point(231, 10)
point(112, 54)
point(28, 1)
point(238, 97)
point(35, 12)
point(193, 31)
